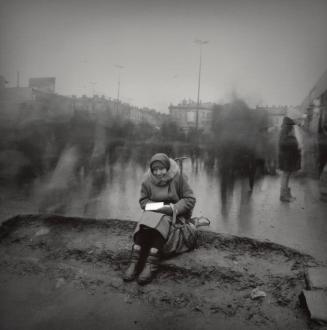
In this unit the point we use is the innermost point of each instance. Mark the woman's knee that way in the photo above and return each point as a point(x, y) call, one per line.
point(137, 247)
point(154, 250)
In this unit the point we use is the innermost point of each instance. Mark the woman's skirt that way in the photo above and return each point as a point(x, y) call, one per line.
point(155, 220)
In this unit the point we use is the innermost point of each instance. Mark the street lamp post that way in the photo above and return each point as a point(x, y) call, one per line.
point(200, 43)
point(119, 67)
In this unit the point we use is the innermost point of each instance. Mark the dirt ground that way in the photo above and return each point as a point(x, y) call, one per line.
point(65, 273)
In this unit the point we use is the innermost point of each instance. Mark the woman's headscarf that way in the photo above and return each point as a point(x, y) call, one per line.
point(169, 164)
point(162, 159)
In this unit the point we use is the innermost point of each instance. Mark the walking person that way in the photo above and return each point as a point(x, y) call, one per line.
point(289, 157)
point(163, 183)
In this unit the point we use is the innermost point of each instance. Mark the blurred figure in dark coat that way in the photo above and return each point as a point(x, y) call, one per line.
point(289, 157)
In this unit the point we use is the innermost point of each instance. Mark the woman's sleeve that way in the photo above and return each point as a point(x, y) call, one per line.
point(187, 202)
point(145, 196)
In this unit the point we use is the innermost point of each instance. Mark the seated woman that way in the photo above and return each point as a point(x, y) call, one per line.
point(163, 183)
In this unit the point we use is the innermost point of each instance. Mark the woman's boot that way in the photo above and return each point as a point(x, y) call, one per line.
point(150, 268)
point(292, 198)
point(284, 197)
point(132, 269)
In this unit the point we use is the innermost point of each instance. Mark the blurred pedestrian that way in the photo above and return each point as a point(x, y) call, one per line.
point(163, 183)
point(289, 157)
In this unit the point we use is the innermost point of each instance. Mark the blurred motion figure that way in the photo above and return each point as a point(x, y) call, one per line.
point(289, 157)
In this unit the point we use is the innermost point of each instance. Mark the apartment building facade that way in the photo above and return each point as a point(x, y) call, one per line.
point(185, 115)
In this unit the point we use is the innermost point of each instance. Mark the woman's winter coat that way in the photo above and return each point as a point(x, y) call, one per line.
point(173, 189)
point(289, 151)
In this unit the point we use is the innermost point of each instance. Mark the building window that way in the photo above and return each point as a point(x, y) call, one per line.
point(191, 117)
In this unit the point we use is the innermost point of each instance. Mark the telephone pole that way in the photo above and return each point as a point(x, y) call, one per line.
point(200, 43)
point(119, 67)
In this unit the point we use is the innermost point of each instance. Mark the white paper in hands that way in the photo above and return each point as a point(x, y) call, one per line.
point(153, 206)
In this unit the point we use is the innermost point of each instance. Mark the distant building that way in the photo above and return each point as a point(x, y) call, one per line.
point(16, 94)
point(184, 114)
point(39, 101)
point(106, 109)
point(275, 114)
point(3, 82)
point(83, 104)
point(136, 115)
point(12, 100)
point(314, 106)
point(43, 84)
point(151, 116)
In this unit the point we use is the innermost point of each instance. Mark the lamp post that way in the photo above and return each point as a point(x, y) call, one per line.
point(119, 67)
point(200, 43)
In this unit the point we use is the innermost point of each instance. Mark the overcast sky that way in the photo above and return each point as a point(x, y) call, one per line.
point(269, 52)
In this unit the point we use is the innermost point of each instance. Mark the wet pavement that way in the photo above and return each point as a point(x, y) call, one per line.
point(301, 224)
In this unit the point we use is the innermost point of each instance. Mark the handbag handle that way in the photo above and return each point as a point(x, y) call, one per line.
point(174, 214)
point(198, 223)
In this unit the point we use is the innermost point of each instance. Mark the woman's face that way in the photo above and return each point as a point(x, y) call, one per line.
point(158, 170)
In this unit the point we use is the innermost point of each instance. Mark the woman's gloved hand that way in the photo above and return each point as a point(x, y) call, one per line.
point(166, 209)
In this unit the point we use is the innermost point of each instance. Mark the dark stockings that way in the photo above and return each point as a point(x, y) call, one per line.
point(149, 238)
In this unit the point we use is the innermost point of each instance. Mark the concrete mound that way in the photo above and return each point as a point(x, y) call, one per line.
point(66, 272)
